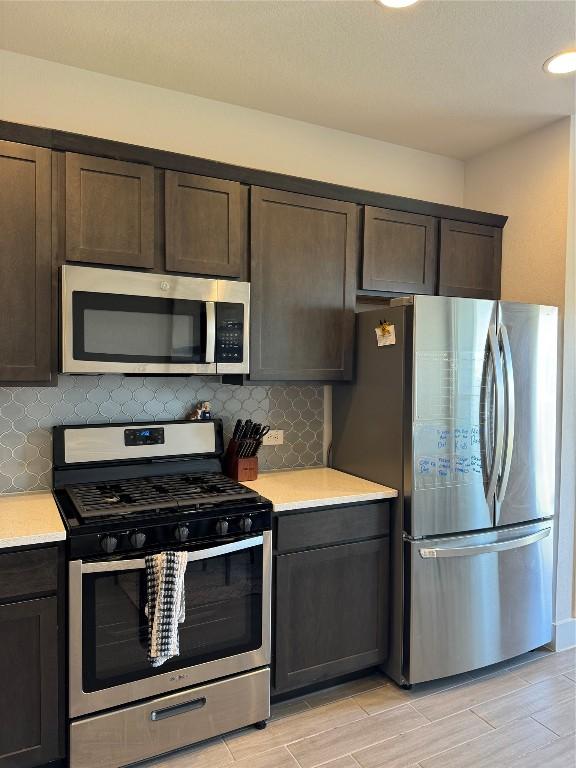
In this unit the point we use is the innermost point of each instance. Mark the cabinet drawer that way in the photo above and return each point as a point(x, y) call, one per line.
point(323, 527)
point(30, 572)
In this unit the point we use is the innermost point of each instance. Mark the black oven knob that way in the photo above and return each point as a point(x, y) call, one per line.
point(108, 543)
point(181, 533)
point(222, 527)
point(137, 539)
point(246, 524)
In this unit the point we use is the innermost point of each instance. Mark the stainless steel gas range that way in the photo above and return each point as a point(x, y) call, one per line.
point(126, 491)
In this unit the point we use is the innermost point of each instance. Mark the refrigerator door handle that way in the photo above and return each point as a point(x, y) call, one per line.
point(481, 549)
point(499, 424)
point(510, 415)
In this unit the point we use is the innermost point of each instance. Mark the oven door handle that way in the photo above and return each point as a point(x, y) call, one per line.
point(107, 566)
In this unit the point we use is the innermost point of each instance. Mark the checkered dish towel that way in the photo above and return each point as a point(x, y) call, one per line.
point(166, 607)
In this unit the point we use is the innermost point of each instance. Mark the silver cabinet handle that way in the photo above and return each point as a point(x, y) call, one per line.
point(201, 554)
point(210, 331)
point(510, 414)
point(177, 709)
point(499, 426)
point(481, 549)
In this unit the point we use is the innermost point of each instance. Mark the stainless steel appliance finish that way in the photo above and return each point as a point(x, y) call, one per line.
point(478, 599)
point(170, 722)
point(95, 444)
point(450, 462)
point(223, 344)
point(130, 490)
point(460, 416)
point(526, 486)
point(82, 702)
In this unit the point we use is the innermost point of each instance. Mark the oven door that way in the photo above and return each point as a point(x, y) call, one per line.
point(226, 628)
point(132, 322)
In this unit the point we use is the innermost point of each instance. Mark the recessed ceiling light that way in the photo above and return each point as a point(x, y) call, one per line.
point(397, 3)
point(561, 63)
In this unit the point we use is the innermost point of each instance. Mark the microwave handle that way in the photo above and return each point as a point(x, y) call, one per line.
point(210, 331)
point(106, 566)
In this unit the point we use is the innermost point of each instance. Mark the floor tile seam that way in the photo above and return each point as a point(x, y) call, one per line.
point(477, 704)
point(553, 732)
point(435, 754)
point(351, 754)
point(564, 697)
point(471, 741)
point(555, 673)
point(308, 736)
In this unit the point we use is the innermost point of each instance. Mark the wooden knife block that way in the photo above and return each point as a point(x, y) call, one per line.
point(237, 468)
point(242, 469)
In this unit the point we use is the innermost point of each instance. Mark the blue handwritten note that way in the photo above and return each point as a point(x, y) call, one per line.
point(462, 465)
point(426, 466)
point(444, 466)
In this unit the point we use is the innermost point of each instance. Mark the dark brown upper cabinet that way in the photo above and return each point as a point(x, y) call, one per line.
point(204, 225)
point(109, 212)
point(25, 263)
point(470, 260)
point(303, 270)
point(400, 251)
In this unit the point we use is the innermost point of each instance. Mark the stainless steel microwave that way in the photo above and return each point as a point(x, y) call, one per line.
point(131, 322)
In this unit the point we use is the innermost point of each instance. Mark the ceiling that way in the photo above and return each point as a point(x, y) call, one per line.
point(454, 78)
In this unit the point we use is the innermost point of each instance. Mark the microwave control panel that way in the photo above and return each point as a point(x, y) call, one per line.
point(229, 332)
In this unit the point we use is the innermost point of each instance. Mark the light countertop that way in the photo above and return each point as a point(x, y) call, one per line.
point(29, 518)
point(317, 487)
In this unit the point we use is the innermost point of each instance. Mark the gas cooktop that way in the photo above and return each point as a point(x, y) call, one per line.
point(129, 496)
point(163, 490)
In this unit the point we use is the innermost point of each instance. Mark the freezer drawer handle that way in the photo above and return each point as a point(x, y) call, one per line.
point(178, 709)
point(481, 549)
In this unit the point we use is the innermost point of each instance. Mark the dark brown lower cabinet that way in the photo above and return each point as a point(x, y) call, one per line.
point(29, 709)
point(331, 612)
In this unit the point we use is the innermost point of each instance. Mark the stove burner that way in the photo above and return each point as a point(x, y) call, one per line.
point(126, 497)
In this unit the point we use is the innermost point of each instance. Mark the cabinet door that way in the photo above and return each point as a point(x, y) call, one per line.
point(109, 212)
point(303, 272)
point(29, 734)
point(331, 612)
point(25, 263)
point(470, 260)
point(399, 251)
point(204, 225)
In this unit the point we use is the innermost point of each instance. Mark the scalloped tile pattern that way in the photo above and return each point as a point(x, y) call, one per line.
point(27, 415)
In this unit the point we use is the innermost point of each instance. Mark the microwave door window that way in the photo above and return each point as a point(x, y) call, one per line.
point(118, 328)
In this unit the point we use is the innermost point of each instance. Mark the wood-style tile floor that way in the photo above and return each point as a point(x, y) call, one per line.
point(520, 714)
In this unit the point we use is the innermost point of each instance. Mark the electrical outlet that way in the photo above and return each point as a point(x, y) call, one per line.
point(274, 437)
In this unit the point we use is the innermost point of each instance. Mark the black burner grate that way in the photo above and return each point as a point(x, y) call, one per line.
point(144, 494)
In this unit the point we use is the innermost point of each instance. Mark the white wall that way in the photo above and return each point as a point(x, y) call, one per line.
point(38, 92)
point(529, 179)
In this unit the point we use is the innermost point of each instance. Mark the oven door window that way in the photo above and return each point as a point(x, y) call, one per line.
point(111, 327)
point(223, 618)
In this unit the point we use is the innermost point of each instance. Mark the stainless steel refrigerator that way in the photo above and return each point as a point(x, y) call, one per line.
point(459, 414)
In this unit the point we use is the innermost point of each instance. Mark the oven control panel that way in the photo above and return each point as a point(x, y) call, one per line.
point(175, 530)
point(144, 436)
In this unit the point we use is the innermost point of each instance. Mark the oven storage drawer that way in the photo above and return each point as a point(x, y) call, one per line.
point(326, 527)
point(135, 733)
